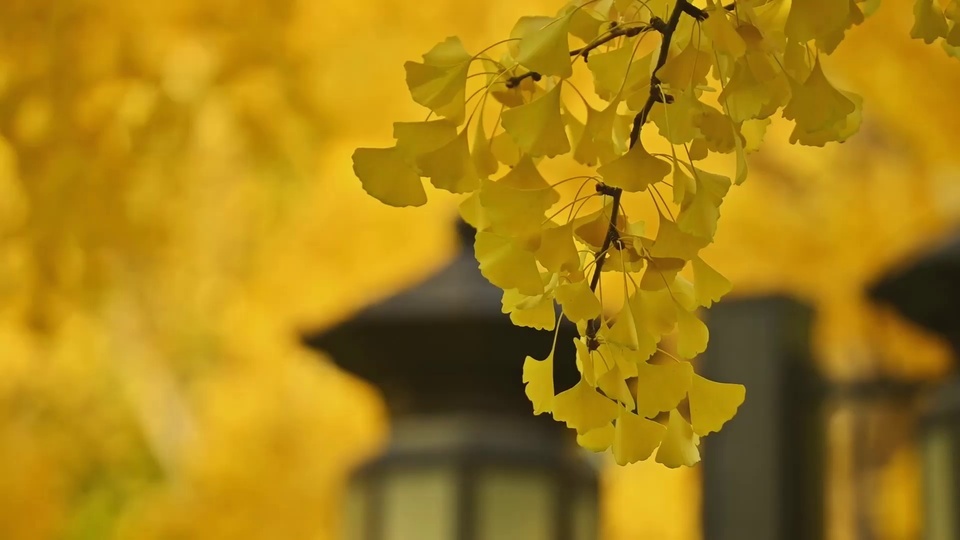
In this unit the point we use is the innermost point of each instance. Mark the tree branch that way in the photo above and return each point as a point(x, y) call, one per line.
point(681, 7)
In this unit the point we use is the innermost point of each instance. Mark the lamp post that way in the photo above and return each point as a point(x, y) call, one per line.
point(467, 459)
point(928, 293)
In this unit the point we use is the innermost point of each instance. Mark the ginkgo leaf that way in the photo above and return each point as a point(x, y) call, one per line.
point(592, 229)
point(537, 127)
point(546, 50)
point(530, 311)
point(708, 284)
point(620, 72)
point(692, 334)
point(753, 132)
point(723, 34)
point(417, 138)
point(583, 408)
point(816, 19)
point(516, 211)
point(584, 23)
point(578, 302)
point(678, 121)
point(506, 265)
point(700, 212)
point(687, 69)
point(629, 331)
point(683, 185)
point(439, 83)
point(484, 162)
point(596, 141)
point(661, 387)
point(585, 364)
point(557, 251)
point(635, 437)
point(929, 21)
point(538, 376)
point(386, 174)
point(505, 149)
point(614, 385)
point(473, 212)
point(840, 131)
point(635, 170)
point(597, 440)
point(712, 404)
point(816, 104)
point(660, 273)
point(450, 167)
point(672, 243)
point(679, 445)
point(718, 130)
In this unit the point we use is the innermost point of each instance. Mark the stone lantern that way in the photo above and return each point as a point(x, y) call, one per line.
point(927, 292)
point(467, 459)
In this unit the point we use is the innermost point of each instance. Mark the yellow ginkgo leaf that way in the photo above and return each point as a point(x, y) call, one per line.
point(597, 440)
point(660, 273)
point(620, 72)
point(635, 437)
point(661, 387)
point(614, 385)
point(579, 303)
point(816, 19)
point(506, 265)
point(677, 121)
point(450, 167)
point(387, 175)
point(700, 212)
point(679, 445)
point(719, 132)
point(583, 408)
point(629, 331)
point(585, 364)
point(692, 334)
point(687, 69)
point(439, 83)
point(473, 213)
point(683, 184)
point(816, 104)
point(505, 149)
point(929, 21)
point(723, 34)
point(537, 127)
point(557, 251)
point(596, 141)
point(592, 228)
point(840, 131)
point(635, 170)
point(585, 23)
point(672, 243)
point(546, 50)
point(530, 311)
point(712, 404)
point(753, 132)
point(708, 284)
point(538, 376)
point(418, 138)
point(515, 212)
point(484, 162)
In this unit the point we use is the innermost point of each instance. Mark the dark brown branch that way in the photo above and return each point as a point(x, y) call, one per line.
point(515, 81)
point(615, 32)
point(681, 7)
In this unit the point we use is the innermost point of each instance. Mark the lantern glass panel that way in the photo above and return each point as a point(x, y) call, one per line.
point(516, 504)
point(356, 511)
point(940, 483)
point(585, 520)
point(420, 503)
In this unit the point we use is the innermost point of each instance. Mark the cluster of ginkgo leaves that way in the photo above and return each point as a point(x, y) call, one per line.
point(708, 78)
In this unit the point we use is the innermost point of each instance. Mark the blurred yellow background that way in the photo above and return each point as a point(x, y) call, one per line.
point(176, 203)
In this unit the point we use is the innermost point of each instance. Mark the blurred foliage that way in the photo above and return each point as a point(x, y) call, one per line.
point(170, 217)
